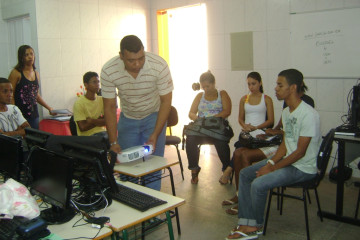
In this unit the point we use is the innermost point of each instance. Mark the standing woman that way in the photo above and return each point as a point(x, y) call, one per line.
point(211, 103)
point(25, 81)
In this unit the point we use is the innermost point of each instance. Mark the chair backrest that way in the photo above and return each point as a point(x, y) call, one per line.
point(324, 154)
point(173, 117)
point(72, 126)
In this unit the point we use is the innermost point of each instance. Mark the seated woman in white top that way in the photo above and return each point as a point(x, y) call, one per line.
point(256, 111)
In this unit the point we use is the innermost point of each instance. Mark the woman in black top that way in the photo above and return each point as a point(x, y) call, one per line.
point(25, 81)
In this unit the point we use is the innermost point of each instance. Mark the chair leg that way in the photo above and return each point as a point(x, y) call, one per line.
point(306, 215)
point(357, 206)
point(282, 199)
point(308, 194)
point(232, 176)
point(180, 161)
point(318, 203)
point(267, 211)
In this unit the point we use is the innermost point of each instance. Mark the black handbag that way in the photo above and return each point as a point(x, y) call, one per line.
point(215, 127)
point(246, 140)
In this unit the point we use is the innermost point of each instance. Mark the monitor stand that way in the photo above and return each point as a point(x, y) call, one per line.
point(56, 215)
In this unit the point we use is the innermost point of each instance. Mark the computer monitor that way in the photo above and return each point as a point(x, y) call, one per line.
point(91, 174)
point(11, 157)
point(355, 108)
point(51, 179)
point(35, 137)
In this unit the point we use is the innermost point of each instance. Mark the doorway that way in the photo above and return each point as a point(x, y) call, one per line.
point(182, 34)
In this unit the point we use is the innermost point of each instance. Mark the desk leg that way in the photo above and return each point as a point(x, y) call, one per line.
point(174, 194)
point(338, 216)
point(125, 235)
point(340, 182)
point(171, 232)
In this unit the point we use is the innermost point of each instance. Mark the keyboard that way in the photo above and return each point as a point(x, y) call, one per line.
point(8, 227)
point(135, 199)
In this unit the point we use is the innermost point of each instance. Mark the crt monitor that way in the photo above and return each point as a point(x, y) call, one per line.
point(35, 137)
point(11, 156)
point(355, 108)
point(51, 179)
point(90, 174)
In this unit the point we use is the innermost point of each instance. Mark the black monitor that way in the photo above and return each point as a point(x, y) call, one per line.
point(91, 174)
point(355, 108)
point(35, 137)
point(11, 157)
point(51, 180)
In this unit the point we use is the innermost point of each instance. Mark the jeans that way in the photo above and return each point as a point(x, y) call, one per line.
point(192, 150)
point(34, 122)
point(133, 132)
point(253, 190)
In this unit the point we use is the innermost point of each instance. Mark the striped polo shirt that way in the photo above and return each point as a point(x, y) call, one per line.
point(141, 96)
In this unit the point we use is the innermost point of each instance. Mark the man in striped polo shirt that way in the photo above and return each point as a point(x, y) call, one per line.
point(144, 86)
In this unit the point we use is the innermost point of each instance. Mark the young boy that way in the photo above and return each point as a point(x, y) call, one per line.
point(89, 109)
point(12, 122)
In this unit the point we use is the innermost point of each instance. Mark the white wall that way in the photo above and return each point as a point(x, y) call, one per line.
point(269, 20)
point(76, 36)
point(73, 37)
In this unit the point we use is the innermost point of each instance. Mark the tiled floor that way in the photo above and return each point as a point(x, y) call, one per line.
point(203, 217)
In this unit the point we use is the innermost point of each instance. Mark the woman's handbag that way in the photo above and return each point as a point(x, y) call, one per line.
point(246, 140)
point(215, 127)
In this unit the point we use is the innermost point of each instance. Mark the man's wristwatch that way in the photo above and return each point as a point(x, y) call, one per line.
point(271, 162)
point(113, 143)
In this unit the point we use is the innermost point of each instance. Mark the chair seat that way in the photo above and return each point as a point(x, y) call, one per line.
point(172, 140)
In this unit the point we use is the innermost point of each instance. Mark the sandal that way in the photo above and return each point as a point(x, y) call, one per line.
point(237, 235)
point(231, 201)
point(194, 176)
point(232, 211)
point(224, 180)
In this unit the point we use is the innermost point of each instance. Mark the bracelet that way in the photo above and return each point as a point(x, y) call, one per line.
point(113, 143)
point(271, 162)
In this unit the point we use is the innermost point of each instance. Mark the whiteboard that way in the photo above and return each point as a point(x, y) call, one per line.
point(326, 44)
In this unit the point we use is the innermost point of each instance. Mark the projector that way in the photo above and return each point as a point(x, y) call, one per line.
point(134, 153)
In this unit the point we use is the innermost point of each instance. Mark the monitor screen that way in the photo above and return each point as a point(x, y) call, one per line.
point(51, 180)
point(11, 156)
point(91, 174)
point(35, 137)
point(355, 107)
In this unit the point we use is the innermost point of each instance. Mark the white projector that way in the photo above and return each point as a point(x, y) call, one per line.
point(134, 153)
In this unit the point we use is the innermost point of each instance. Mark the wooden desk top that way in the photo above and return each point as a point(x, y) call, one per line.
point(67, 230)
point(123, 216)
point(141, 168)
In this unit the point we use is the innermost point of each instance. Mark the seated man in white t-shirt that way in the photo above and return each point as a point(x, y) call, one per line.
point(12, 122)
point(294, 161)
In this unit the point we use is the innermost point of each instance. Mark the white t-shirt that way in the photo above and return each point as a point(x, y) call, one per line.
point(304, 121)
point(139, 97)
point(11, 119)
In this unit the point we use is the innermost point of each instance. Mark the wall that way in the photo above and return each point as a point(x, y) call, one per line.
point(76, 36)
point(73, 37)
point(270, 22)
point(11, 9)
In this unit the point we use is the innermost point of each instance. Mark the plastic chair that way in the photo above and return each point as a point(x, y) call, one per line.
point(322, 162)
point(72, 126)
point(174, 140)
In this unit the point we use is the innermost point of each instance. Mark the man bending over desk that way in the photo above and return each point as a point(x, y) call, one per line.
point(12, 122)
point(89, 109)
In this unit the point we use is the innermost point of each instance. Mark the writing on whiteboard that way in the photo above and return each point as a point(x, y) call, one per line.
point(323, 40)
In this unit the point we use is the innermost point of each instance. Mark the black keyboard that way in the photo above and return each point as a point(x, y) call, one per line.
point(8, 227)
point(136, 199)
